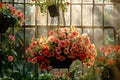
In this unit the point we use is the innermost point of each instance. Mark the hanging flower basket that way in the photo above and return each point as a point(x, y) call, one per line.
point(53, 10)
point(9, 17)
point(60, 48)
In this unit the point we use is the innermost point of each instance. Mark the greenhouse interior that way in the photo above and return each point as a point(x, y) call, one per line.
point(38, 38)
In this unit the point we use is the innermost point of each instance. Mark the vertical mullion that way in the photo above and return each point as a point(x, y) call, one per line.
point(81, 16)
point(115, 38)
point(93, 9)
point(93, 20)
point(103, 22)
point(36, 26)
point(24, 44)
point(36, 36)
point(71, 12)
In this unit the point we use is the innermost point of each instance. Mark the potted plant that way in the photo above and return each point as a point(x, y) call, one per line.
point(52, 6)
point(9, 17)
point(61, 46)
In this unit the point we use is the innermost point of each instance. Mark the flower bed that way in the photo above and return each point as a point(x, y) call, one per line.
point(61, 45)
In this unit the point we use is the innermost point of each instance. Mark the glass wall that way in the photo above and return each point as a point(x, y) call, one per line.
point(98, 18)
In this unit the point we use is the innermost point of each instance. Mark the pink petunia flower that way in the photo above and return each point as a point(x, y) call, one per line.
point(10, 58)
point(51, 33)
point(12, 38)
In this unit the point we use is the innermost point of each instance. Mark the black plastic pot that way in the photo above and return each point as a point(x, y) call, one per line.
point(55, 63)
point(6, 22)
point(53, 10)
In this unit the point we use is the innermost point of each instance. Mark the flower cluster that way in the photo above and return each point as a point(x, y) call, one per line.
point(109, 55)
point(10, 17)
point(61, 44)
point(7, 48)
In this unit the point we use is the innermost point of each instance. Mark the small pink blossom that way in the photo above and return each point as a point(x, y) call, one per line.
point(51, 33)
point(12, 38)
point(28, 59)
point(66, 51)
point(62, 43)
point(58, 50)
point(87, 41)
point(10, 58)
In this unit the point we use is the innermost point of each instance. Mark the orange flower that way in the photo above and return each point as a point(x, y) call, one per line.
point(98, 71)
point(102, 49)
point(107, 52)
point(42, 39)
point(70, 55)
point(101, 59)
point(91, 47)
point(113, 61)
point(79, 38)
point(46, 47)
point(109, 61)
point(34, 60)
point(117, 48)
point(87, 41)
point(88, 65)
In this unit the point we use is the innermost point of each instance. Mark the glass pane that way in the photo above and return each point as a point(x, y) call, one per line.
point(87, 15)
point(98, 16)
point(29, 1)
point(87, 1)
point(107, 1)
point(67, 16)
point(79, 30)
point(76, 1)
point(20, 1)
point(99, 1)
point(117, 16)
point(41, 17)
point(30, 15)
point(98, 37)
point(76, 15)
point(108, 37)
point(108, 15)
point(89, 32)
point(19, 7)
point(30, 33)
point(19, 37)
point(7, 0)
point(52, 21)
point(42, 31)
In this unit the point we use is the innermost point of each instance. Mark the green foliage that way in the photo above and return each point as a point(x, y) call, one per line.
point(44, 4)
point(44, 77)
point(88, 75)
